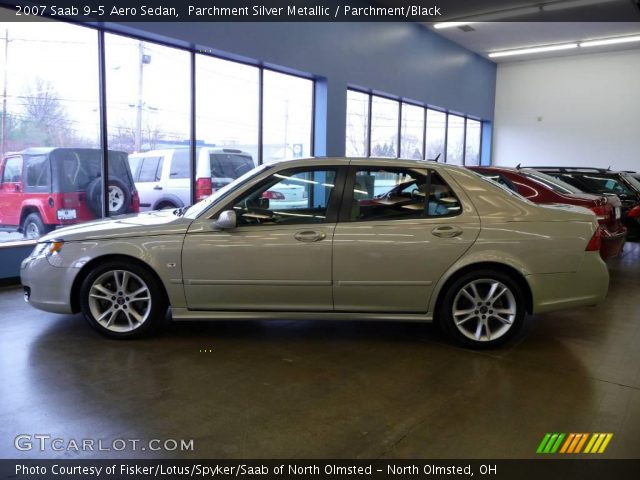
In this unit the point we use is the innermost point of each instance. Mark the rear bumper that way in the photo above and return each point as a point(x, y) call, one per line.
point(586, 287)
point(612, 243)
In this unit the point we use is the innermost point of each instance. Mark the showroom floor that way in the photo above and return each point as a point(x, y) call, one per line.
point(328, 390)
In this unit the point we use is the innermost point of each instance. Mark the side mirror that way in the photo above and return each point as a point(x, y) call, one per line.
point(226, 221)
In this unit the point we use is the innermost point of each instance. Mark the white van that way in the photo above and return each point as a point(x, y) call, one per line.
point(162, 176)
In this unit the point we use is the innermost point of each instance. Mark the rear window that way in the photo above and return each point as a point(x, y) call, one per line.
point(600, 183)
point(553, 183)
point(227, 165)
point(77, 168)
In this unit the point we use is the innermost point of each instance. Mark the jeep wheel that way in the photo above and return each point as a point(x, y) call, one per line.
point(119, 197)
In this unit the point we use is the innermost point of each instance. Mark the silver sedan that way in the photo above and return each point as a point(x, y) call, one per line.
point(369, 239)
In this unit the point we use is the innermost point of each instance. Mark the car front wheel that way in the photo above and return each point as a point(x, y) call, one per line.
point(122, 300)
point(482, 309)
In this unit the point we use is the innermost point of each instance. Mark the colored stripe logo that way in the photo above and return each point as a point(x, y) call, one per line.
point(574, 443)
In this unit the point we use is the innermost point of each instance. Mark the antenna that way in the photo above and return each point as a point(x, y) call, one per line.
point(518, 166)
point(437, 157)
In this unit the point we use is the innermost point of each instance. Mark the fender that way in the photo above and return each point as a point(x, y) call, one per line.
point(477, 257)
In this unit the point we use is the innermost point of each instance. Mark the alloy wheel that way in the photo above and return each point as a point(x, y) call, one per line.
point(484, 310)
point(120, 301)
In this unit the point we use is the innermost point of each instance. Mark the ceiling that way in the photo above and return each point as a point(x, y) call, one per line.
point(496, 36)
point(513, 24)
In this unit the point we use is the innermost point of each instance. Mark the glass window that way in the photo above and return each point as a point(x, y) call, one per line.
point(548, 181)
point(180, 165)
point(51, 98)
point(38, 172)
point(384, 127)
point(287, 117)
point(436, 131)
point(148, 109)
point(149, 170)
point(472, 143)
point(392, 194)
point(455, 140)
point(227, 105)
point(411, 132)
point(357, 124)
point(288, 197)
point(12, 170)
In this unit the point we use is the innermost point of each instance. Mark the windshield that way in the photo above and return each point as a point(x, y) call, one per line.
point(553, 183)
point(197, 209)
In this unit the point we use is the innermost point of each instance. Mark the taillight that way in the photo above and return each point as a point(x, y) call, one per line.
point(596, 241)
point(273, 195)
point(634, 212)
point(135, 202)
point(203, 188)
point(603, 213)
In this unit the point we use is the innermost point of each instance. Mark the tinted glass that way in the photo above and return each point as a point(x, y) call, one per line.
point(180, 164)
point(149, 169)
point(12, 170)
point(288, 197)
point(229, 165)
point(37, 171)
point(554, 184)
point(393, 194)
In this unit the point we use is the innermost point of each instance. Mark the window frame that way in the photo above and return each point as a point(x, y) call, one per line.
point(347, 196)
point(425, 131)
point(333, 207)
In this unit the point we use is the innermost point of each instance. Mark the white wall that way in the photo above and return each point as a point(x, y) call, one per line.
point(571, 111)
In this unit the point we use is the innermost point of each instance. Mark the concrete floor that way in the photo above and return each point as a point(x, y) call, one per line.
point(326, 390)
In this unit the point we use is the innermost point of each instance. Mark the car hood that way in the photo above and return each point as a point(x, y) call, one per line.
point(162, 222)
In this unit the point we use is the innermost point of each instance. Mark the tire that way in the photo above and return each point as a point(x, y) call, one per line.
point(33, 227)
point(110, 304)
point(472, 321)
point(166, 206)
point(119, 197)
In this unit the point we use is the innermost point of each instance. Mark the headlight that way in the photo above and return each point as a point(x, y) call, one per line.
point(47, 248)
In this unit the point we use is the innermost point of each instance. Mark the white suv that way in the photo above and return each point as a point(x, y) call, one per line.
point(162, 176)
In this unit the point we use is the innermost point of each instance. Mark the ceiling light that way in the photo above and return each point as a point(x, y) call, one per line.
point(525, 51)
point(442, 25)
point(610, 41)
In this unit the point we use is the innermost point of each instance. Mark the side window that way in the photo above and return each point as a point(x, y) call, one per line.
point(12, 170)
point(150, 169)
point(37, 172)
point(499, 179)
point(396, 194)
point(180, 165)
point(288, 197)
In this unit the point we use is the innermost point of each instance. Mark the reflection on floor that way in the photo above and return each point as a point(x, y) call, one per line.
point(327, 390)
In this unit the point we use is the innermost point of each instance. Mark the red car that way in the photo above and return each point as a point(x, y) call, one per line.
point(42, 188)
point(541, 188)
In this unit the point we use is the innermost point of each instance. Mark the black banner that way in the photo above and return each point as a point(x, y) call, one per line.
point(548, 469)
point(325, 10)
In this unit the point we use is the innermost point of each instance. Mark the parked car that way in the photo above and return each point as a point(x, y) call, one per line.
point(449, 246)
point(163, 176)
point(44, 188)
point(601, 181)
point(542, 188)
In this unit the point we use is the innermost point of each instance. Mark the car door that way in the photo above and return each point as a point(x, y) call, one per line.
point(11, 193)
point(277, 258)
point(400, 230)
point(147, 175)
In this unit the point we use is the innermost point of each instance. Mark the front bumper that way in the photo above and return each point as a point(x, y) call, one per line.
point(586, 287)
point(47, 287)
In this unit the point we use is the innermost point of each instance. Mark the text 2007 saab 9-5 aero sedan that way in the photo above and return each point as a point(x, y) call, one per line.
point(375, 239)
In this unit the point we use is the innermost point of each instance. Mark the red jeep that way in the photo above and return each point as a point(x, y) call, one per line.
point(42, 188)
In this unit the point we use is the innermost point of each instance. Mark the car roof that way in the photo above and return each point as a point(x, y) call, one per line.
point(367, 161)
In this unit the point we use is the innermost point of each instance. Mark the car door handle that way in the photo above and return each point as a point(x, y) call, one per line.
point(447, 231)
point(309, 236)
point(157, 187)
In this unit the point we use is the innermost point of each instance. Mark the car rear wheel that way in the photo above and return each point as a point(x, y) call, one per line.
point(122, 300)
point(33, 227)
point(482, 309)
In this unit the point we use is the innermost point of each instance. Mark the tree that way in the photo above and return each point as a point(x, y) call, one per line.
point(45, 120)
